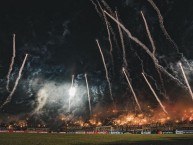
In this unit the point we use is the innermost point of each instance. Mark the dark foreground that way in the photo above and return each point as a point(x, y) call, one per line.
point(75, 139)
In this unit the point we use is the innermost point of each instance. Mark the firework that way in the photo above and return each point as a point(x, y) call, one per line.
point(96, 8)
point(137, 41)
point(11, 65)
point(108, 26)
point(108, 31)
point(122, 42)
point(109, 34)
point(72, 84)
point(106, 71)
point(16, 82)
point(161, 22)
point(109, 37)
point(107, 6)
point(157, 98)
point(136, 100)
point(185, 78)
point(88, 92)
point(153, 52)
point(149, 34)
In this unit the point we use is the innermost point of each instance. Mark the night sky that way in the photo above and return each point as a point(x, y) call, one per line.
point(60, 40)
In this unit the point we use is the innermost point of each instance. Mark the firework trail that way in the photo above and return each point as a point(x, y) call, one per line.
point(136, 40)
point(153, 52)
point(107, 6)
point(109, 28)
point(72, 84)
point(109, 34)
point(16, 83)
point(162, 92)
point(88, 92)
point(136, 100)
point(96, 8)
point(155, 82)
point(161, 22)
point(149, 34)
point(157, 98)
point(11, 65)
point(71, 87)
point(131, 36)
point(122, 42)
point(187, 83)
point(106, 71)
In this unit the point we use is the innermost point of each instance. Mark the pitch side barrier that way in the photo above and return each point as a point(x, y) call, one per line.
point(168, 132)
point(95, 132)
point(184, 132)
point(21, 131)
point(104, 132)
point(176, 132)
point(87, 132)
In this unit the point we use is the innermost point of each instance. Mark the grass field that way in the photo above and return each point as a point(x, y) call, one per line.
point(75, 139)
